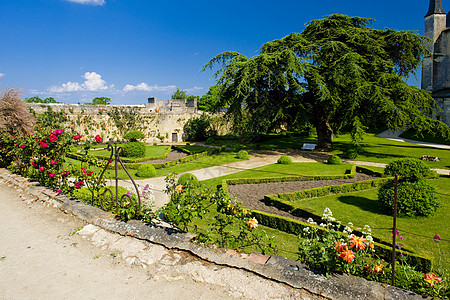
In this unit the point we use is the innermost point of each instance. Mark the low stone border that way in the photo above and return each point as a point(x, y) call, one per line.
point(276, 268)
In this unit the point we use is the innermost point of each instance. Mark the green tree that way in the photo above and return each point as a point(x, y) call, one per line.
point(178, 94)
point(100, 101)
point(337, 74)
point(37, 99)
point(208, 102)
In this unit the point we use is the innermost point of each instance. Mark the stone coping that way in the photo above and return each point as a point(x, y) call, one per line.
point(277, 268)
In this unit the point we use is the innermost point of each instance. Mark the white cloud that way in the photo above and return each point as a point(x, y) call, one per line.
point(93, 83)
point(194, 89)
point(149, 88)
point(2, 75)
point(89, 2)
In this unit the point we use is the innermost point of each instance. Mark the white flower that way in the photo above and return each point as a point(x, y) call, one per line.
point(310, 220)
point(323, 225)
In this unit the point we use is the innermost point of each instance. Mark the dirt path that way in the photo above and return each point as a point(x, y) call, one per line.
point(41, 259)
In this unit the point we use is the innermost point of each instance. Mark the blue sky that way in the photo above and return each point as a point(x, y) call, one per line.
point(129, 50)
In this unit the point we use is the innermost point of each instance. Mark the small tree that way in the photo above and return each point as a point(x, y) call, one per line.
point(198, 129)
point(36, 99)
point(100, 101)
point(178, 94)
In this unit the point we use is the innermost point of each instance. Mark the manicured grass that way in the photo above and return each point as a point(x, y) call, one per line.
point(280, 170)
point(269, 142)
point(380, 150)
point(193, 148)
point(412, 135)
point(150, 151)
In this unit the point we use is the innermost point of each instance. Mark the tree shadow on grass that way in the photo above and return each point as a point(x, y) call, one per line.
point(364, 203)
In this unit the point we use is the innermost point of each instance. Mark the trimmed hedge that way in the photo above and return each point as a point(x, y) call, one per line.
point(134, 149)
point(242, 154)
point(334, 160)
point(188, 179)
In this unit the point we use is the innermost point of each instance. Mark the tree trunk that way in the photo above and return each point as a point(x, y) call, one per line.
point(323, 128)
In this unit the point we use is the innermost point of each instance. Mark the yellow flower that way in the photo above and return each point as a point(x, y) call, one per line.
point(244, 211)
point(378, 269)
point(252, 223)
point(179, 188)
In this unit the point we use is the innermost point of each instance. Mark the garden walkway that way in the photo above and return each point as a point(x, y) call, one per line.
point(395, 136)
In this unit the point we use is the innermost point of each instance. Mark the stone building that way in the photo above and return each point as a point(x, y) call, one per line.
point(436, 68)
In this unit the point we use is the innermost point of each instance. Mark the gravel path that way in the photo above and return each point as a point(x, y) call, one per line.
point(252, 195)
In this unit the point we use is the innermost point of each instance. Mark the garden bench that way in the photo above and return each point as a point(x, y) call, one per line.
point(307, 146)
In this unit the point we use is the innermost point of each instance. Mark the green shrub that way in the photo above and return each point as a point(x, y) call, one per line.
point(334, 160)
point(134, 135)
point(155, 144)
point(134, 149)
point(416, 198)
point(351, 153)
point(198, 129)
point(242, 155)
point(409, 169)
point(285, 160)
point(188, 179)
point(188, 144)
point(146, 170)
point(209, 141)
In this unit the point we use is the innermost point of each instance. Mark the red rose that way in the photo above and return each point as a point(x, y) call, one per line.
point(77, 137)
point(44, 144)
point(51, 175)
point(52, 138)
point(98, 138)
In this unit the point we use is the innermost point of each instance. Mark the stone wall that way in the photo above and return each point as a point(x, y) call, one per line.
point(160, 122)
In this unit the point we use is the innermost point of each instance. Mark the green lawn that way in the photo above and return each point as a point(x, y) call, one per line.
point(380, 150)
point(412, 135)
point(150, 151)
point(279, 170)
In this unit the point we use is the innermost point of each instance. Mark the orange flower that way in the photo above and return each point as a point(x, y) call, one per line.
point(358, 242)
point(378, 269)
point(371, 245)
point(179, 188)
point(347, 255)
point(431, 278)
point(252, 223)
point(338, 246)
point(244, 211)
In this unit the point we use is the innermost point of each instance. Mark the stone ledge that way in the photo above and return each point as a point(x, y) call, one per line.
point(276, 268)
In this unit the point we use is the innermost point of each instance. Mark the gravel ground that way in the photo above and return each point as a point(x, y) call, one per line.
point(252, 195)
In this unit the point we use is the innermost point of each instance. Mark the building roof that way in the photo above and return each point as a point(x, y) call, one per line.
point(435, 8)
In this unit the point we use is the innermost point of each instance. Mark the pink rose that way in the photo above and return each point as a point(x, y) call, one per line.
point(58, 191)
point(44, 144)
point(98, 138)
point(77, 137)
point(23, 146)
point(51, 175)
point(52, 162)
point(42, 168)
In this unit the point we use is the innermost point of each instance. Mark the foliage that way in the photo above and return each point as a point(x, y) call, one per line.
point(414, 198)
point(51, 118)
point(134, 135)
point(188, 179)
point(243, 155)
point(134, 149)
point(334, 160)
point(209, 141)
point(146, 171)
point(178, 94)
point(337, 74)
point(409, 169)
point(14, 115)
point(126, 119)
point(284, 160)
point(209, 101)
point(198, 129)
point(100, 101)
point(36, 99)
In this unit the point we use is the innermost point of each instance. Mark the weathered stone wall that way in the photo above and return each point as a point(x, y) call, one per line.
point(158, 125)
